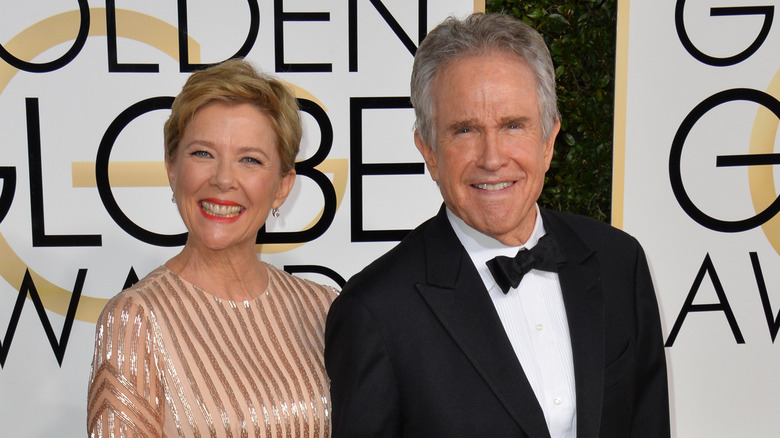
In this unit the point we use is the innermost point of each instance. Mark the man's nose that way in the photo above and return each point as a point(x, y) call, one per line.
point(491, 156)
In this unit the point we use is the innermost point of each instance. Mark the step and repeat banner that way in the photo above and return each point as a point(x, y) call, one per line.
point(698, 83)
point(85, 209)
point(85, 205)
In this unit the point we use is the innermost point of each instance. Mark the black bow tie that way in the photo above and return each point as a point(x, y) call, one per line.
point(508, 271)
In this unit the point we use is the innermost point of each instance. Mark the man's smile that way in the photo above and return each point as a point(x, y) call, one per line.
point(495, 186)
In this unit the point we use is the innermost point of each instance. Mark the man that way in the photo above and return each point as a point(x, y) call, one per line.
point(429, 341)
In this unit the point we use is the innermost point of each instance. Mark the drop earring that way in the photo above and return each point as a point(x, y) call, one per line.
point(173, 198)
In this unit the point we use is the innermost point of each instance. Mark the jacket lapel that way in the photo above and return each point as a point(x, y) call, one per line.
point(584, 302)
point(456, 294)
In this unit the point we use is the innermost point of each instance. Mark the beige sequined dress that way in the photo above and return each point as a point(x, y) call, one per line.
point(172, 360)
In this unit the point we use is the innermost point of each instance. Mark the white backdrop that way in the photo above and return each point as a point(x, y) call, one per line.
point(696, 123)
point(84, 202)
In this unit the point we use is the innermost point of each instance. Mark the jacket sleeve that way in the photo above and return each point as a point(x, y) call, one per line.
point(365, 400)
point(651, 403)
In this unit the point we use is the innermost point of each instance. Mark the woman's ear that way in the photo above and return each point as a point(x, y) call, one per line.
point(169, 169)
point(285, 187)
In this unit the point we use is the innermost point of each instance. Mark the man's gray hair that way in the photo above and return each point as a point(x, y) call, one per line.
point(476, 35)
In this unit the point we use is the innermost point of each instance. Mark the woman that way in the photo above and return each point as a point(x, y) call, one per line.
point(215, 342)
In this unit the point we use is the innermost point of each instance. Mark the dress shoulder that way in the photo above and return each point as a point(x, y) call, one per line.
point(125, 391)
point(301, 286)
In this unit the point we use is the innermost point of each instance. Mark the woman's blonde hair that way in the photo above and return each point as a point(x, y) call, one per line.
point(236, 81)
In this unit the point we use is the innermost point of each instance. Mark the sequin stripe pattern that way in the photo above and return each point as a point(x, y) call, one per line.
point(299, 307)
point(266, 385)
point(124, 396)
point(222, 368)
point(241, 344)
point(205, 335)
point(173, 370)
point(294, 417)
point(213, 316)
point(296, 413)
point(192, 347)
point(308, 306)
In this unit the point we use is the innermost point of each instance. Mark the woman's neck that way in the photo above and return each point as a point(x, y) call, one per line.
point(235, 275)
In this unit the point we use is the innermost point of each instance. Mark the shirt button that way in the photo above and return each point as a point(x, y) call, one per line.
point(557, 401)
point(539, 327)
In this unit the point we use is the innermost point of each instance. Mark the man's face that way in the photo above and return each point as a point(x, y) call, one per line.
point(490, 157)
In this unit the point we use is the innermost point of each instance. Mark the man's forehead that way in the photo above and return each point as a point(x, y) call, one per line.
point(482, 57)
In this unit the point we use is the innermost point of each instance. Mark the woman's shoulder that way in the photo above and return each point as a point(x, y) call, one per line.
point(301, 286)
point(138, 298)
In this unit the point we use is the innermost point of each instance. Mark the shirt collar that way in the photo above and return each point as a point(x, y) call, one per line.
point(481, 247)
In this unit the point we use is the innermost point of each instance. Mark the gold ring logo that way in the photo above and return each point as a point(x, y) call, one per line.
point(156, 33)
point(761, 178)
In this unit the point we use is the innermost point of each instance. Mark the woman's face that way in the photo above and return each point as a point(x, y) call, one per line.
point(225, 175)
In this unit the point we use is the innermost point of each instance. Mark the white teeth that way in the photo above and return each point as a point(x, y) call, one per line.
point(221, 210)
point(498, 186)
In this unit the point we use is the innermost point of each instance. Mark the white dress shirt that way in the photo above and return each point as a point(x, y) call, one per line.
point(534, 318)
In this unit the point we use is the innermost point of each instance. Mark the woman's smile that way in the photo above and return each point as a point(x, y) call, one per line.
point(221, 210)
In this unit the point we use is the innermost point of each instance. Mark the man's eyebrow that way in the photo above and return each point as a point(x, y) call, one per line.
point(515, 120)
point(460, 124)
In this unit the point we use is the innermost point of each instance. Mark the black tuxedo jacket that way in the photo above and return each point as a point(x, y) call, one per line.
point(414, 346)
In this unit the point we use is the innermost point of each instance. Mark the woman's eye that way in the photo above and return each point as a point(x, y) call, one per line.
point(201, 154)
point(250, 160)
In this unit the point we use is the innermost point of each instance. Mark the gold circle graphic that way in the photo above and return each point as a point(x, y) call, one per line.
point(761, 178)
point(33, 41)
point(156, 33)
